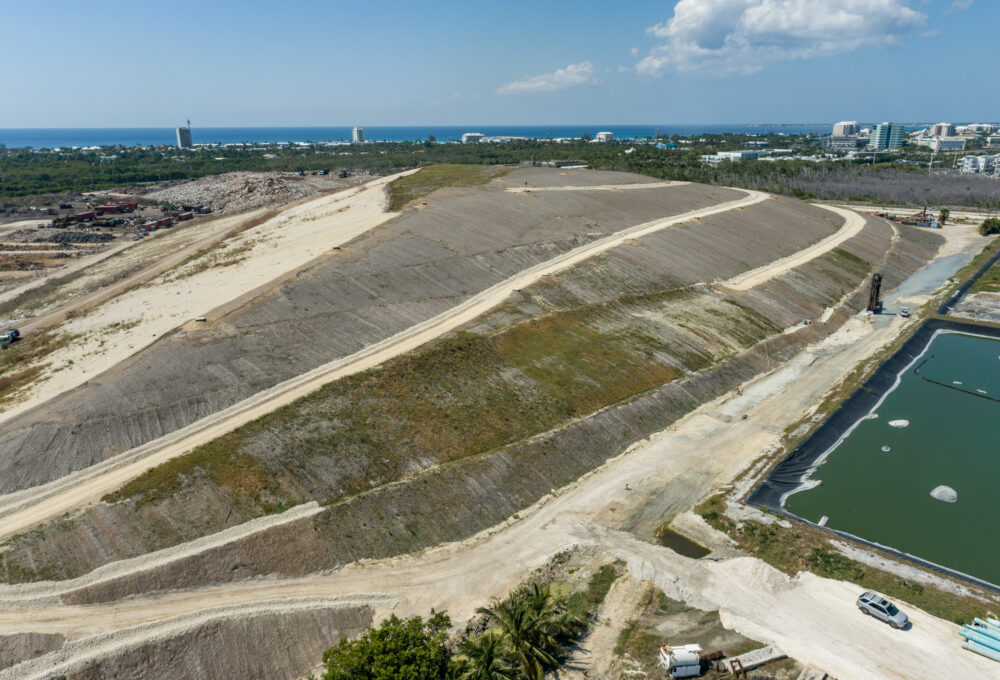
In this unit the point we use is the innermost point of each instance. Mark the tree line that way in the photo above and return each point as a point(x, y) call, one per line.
point(24, 172)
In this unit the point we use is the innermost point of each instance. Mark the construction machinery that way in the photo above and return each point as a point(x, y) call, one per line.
point(875, 294)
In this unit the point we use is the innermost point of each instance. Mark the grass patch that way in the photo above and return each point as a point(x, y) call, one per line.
point(432, 177)
point(858, 266)
point(989, 282)
point(584, 604)
point(465, 396)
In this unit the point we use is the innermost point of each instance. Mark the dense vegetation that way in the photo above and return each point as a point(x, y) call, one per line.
point(527, 634)
point(26, 173)
point(990, 226)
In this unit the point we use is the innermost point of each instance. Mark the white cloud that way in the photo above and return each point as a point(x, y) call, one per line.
point(574, 74)
point(962, 4)
point(743, 36)
point(634, 51)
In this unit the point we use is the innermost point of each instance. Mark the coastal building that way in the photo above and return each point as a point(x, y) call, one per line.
point(741, 155)
point(472, 137)
point(846, 128)
point(846, 142)
point(357, 135)
point(184, 137)
point(887, 136)
point(942, 130)
point(943, 143)
point(972, 165)
point(993, 140)
point(977, 129)
point(604, 136)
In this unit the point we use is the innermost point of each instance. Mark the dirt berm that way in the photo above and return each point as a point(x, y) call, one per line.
point(276, 642)
point(437, 446)
point(422, 263)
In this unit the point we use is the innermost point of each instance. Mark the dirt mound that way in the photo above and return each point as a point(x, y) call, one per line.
point(235, 191)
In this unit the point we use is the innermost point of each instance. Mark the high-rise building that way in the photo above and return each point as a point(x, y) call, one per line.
point(846, 128)
point(942, 130)
point(358, 135)
point(184, 136)
point(887, 136)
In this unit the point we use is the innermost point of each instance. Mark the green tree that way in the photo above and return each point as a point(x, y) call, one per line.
point(484, 658)
point(943, 216)
point(990, 226)
point(530, 623)
point(397, 650)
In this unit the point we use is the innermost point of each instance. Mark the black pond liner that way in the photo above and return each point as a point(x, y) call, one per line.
point(790, 473)
point(948, 304)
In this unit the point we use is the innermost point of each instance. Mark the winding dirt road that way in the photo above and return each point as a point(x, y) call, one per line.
point(853, 224)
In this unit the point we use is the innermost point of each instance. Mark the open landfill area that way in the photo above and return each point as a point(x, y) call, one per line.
point(250, 415)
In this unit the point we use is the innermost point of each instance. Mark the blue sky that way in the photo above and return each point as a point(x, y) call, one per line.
point(220, 62)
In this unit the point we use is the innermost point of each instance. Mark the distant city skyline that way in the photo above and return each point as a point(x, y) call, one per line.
point(309, 63)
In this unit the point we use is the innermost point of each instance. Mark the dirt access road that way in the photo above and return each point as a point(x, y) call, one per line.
point(853, 224)
point(22, 510)
point(812, 619)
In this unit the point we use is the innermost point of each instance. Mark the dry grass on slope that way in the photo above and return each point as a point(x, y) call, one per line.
point(432, 177)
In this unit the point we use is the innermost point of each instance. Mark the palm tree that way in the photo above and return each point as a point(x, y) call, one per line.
point(518, 626)
point(483, 658)
point(530, 622)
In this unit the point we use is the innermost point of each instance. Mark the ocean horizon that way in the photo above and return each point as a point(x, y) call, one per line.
point(50, 138)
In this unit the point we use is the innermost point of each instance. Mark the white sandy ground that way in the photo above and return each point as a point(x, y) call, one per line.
point(597, 187)
point(22, 510)
point(853, 224)
point(813, 619)
point(131, 321)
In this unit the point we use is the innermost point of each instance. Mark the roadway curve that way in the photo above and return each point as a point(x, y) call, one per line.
point(853, 224)
point(22, 510)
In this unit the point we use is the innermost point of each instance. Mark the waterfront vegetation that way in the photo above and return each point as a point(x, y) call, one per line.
point(25, 173)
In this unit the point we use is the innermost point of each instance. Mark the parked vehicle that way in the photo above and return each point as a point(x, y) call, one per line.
point(8, 336)
point(871, 604)
point(904, 312)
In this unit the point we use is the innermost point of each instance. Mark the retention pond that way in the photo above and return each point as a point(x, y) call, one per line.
point(927, 419)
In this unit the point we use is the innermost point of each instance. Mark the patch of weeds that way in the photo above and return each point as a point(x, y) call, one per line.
point(432, 177)
point(583, 605)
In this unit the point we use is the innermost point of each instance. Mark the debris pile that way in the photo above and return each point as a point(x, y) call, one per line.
point(74, 237)
point(235, 191)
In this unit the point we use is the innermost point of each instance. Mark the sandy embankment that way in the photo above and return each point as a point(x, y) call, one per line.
point(123, 326)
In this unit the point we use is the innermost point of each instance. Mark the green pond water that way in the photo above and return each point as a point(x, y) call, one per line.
point(884, 497)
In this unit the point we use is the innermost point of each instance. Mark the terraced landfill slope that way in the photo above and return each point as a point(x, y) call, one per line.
point(438, 444)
